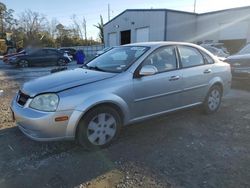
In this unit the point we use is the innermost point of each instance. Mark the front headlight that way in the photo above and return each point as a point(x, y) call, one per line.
point(45, 102)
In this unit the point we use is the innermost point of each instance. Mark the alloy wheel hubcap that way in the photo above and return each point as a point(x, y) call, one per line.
point(24, 63)
point(214, 99)
point(101, 129)
point(61, 62)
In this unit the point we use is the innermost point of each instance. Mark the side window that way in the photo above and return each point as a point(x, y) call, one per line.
point(163, 59)
point(190, 57)
point(207, 58)
point(51, 52)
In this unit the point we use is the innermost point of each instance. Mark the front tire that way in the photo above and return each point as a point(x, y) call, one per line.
point(213, 100)
point(99, 127)
point(23, 63)
point(61, 62)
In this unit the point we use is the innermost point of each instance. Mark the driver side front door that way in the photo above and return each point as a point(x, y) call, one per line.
point(158, 93)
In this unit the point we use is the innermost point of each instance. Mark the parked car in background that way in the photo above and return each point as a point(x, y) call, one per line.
point(127, 84)
point(8, 56)
point(240, 63)
point(70, 51)
point(39, 57)
point(219, 52)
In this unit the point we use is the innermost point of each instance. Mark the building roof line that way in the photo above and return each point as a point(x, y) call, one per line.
point(168, 10)
point(229, 9)
point(171, 10)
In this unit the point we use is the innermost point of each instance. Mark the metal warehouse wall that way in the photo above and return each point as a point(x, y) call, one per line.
point(133, 20)
point(224, 25)
point(181, 26)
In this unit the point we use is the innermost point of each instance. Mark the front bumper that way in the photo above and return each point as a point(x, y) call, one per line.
point(41, 126)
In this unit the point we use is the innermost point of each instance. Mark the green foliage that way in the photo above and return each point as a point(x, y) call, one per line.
point(33, 28)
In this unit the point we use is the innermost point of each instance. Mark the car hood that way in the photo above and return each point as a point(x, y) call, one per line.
point(59, 81)
point(238, 57)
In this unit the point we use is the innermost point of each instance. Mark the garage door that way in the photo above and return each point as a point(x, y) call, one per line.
point(233, 31)
point(112, 39)
point(142, 34)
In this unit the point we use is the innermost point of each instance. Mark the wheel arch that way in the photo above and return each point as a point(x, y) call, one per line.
point(117, 103)
point(107, 103)
point(216, 82)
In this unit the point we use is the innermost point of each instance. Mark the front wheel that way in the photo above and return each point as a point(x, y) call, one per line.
point(99, 127)
point(23, 63)
point(213, 100)
point(61, 62)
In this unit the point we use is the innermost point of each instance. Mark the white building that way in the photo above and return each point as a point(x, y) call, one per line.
point(231, 26)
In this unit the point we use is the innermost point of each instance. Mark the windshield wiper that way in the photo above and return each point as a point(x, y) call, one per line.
point(93, 68)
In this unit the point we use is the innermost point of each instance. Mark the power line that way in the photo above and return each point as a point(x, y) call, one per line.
point(194, 6)
point(108, 12)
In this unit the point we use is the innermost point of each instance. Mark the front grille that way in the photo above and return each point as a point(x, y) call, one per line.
point(22, 98)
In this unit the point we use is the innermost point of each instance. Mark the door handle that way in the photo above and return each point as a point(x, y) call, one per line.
point(207, 71)
point(173, 78)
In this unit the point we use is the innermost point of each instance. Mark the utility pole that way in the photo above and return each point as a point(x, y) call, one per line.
point(194, 6)
point(108, 12)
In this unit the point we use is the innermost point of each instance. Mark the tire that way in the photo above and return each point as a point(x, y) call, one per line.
point(23, 63)
point(61, 62)
point(213, 100)
point(99, 128)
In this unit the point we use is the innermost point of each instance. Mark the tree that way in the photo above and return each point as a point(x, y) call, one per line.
point(76, 27)
point(80, 27)
point(84, 26)
point(32, 23)
point(100, 26)
point(51, 28)
point(7, 19)
point(3, 9)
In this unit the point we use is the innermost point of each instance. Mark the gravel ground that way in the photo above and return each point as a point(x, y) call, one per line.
point(183, 149)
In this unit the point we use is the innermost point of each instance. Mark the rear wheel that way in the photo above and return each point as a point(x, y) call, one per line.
point(213, 100)
point(23, 63)
point(61, 62)
point(99, 127)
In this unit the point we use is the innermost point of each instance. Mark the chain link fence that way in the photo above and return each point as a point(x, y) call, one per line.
point(90, 51)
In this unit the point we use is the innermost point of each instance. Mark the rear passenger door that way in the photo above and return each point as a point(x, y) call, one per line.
point(197, 73)
point(36, 58)
point(51, 56)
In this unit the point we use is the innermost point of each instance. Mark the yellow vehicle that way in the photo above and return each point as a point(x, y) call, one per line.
point(8, 46)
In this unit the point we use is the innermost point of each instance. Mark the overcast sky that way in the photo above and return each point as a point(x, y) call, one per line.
point(63, 10)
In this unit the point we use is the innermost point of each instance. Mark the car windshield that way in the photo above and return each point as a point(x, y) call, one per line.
point(245, 50)
point(117, 59)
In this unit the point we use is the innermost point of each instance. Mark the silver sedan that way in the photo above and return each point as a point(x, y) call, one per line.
point(124, 85)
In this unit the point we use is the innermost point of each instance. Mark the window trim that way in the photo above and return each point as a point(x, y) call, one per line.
point(204, 54)
point(137, 70)
point(181, 66)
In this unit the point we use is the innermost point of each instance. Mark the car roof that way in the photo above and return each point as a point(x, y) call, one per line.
point(162, 43)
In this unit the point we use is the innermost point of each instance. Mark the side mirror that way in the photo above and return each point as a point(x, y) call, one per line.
point(148, 70)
